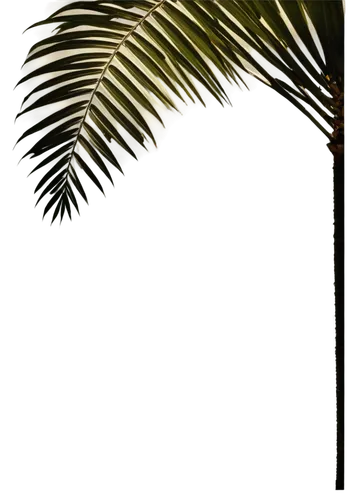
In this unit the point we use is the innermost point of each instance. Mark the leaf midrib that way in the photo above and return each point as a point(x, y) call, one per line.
point(135, 26)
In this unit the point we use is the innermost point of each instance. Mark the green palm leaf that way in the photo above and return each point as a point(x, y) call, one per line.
point(114, 62)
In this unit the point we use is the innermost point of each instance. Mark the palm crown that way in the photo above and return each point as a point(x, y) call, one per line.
point(113, 61)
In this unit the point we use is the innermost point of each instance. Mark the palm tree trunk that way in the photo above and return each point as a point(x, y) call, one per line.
point(337, 148)
point(338, 176)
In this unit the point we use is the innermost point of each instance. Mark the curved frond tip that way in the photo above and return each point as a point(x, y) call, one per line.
point(112, 62)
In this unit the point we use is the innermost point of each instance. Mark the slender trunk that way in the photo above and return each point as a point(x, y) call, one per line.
point(337, 148)
point(338, 176)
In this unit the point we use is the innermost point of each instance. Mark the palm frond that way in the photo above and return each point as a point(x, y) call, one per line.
point(113, 62)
